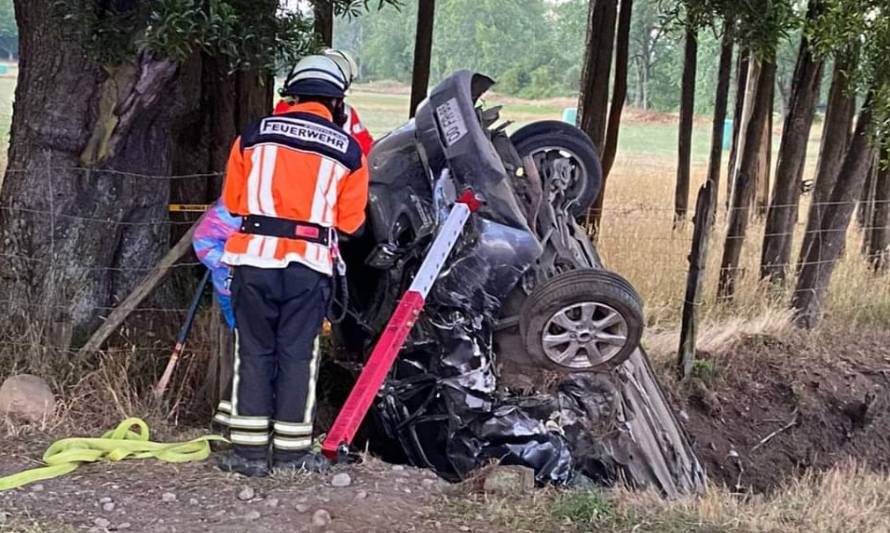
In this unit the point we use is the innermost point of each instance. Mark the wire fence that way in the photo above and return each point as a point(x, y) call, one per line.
point(640, 240)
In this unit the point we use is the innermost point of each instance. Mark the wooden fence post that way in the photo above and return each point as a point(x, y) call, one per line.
point(704, 215)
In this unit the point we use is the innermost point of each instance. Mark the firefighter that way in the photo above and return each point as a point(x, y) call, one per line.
point(297, 180)
point(217, 225)
point(353, 125)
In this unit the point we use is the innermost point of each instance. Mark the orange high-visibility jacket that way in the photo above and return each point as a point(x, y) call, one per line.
point(298, 166)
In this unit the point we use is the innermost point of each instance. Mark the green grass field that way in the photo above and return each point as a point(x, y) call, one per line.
point(383, 112)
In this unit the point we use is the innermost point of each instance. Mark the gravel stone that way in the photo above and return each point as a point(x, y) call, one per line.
point(361, 495)
point(106, 499)
point(321, 518)
point(168, 497)
point(272, 502)
point(108, 507)
point(247, 493)
point(102, 522)
point(341, 480)
point(301, 507)
point(193, 501)
point(252, 515)
point(37, 488)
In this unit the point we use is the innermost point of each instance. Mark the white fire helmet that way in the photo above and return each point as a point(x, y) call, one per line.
point(346, 62)
point(316, 75)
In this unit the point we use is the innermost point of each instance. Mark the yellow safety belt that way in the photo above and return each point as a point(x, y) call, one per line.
point(66, 455)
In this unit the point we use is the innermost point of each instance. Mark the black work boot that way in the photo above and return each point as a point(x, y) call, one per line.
point(232, 462)
point(305, 461)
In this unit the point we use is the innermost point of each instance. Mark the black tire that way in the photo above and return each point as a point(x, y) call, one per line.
point(598, 289)
point(553, 133)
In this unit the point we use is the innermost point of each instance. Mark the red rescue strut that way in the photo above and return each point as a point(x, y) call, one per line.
point(396, 331)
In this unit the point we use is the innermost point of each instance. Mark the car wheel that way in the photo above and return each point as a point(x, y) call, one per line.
point(562, 149)
point(583, 320)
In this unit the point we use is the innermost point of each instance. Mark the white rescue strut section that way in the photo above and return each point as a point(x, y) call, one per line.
point(448, 234)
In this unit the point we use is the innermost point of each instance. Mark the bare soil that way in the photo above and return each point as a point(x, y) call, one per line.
point(758, 414)
point(379, 499)
point(772, 408)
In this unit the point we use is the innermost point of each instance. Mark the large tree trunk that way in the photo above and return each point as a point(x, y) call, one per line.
point(594, 99)
point(423, 46)
point(783, 210)
point(751, 152)
point(879, 233)
point(835, 138)
point(742, 67)
point(720, 104)
point(818, 266)
point(323, 11)
point(687, 113)
point(619, 90)
point(86, 188)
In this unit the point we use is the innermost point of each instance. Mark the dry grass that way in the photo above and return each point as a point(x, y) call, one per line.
point(638, 241)
point(720, 334)
point(847, 498)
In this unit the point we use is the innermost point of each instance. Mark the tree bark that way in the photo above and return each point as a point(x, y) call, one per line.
point(85, 192)
point(864, 209)
point(818, 266)
point(619, 89)
point(835, 138)
point(751, 153)
point(720, 104)
point(764, 162)
point(687, 113)
point(783, 210)
point(323, 11)
point(423, 46)
point(742, 67)
point(879, 238)
point(594, 99)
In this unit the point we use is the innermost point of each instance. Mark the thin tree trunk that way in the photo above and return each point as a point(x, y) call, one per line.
point(720, 104)
point(594, 99)
point(324, 21)
point(646, 75)
point(423, 46)
point(742, 67)
point(751, 152)
point(835, 138)
point(687, 113)
point(879, 241)
point(818, 266)
point(866, 202)
point(619, 89)
point(764, 163)
point(783, 210)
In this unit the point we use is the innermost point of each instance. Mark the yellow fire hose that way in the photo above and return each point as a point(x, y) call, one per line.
point(66, 455)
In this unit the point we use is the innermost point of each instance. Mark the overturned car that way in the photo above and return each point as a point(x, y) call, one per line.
point(528, 349)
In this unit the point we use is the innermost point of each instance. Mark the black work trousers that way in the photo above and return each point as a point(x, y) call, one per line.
point(278, 316)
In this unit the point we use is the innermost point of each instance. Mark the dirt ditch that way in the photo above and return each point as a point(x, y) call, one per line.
point(771, 408)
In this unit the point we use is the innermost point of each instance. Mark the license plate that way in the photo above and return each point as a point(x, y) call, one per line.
point(451, 121)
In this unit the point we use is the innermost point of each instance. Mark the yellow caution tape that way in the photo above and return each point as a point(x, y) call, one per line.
point(188, 208)
point(66, 455)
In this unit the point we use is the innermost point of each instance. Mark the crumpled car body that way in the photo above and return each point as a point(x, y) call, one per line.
point(500, 366)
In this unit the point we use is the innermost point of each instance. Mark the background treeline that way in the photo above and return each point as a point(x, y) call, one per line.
point(535, 48)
